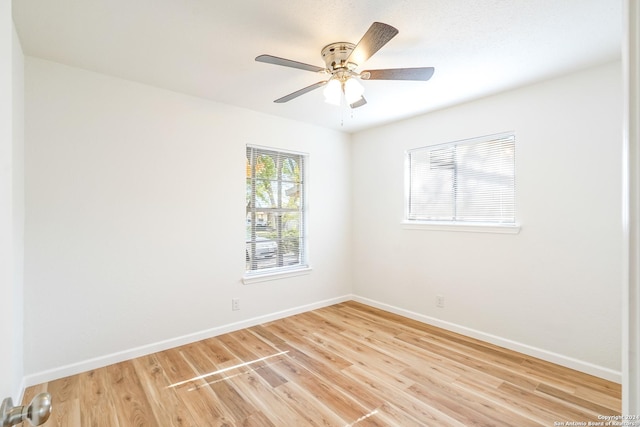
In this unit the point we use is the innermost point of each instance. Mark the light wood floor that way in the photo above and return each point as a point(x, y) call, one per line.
point(344, 365)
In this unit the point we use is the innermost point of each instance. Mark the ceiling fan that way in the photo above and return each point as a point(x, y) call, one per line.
point(342, 59)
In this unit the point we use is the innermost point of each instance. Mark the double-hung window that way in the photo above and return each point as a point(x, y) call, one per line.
point(275, 215)
point(470, 182)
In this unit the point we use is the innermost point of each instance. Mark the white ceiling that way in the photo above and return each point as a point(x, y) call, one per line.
point(207, 48)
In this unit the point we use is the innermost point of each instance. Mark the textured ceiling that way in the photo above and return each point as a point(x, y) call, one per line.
point(207, 48)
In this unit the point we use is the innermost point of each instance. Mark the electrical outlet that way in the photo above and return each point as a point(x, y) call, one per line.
point(235, 304)
point(440, 301)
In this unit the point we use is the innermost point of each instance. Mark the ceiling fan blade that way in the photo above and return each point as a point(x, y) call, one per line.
point(300, 92)
point(376, 36)
point(422, 74)
point(269, 59)
point(359, 103)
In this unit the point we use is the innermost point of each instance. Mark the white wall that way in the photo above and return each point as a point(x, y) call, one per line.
point(552, 290)
point(11, 209)
point(134, 221)
point(135, 217)
point(18, 207)
point(6, 199)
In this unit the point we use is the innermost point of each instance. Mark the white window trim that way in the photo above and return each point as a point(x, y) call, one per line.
point(266, 276)
point(464, 227)
point(258, 276)
point(407, 224)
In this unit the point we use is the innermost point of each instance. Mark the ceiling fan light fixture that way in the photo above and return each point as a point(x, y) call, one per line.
point(341, 62)
point(353, 90)
point(333, 92)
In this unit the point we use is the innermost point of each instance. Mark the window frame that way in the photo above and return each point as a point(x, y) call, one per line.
point(456, 225)
point(278, 271)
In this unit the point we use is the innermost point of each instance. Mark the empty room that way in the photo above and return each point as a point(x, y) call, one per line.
point(340, 213)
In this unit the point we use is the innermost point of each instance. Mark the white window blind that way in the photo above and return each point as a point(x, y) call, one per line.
point(471, 181)
point(275, 214)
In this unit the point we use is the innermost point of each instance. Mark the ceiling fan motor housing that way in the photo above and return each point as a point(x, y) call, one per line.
point(335, 56)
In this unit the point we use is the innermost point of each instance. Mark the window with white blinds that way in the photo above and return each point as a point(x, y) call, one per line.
point(275, 214)
point(464, 182)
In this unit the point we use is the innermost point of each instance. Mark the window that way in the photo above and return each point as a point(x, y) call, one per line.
point(464, 182)
point(275, 216)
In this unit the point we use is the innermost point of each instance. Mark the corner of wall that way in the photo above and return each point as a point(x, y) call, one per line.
point(18, 212)
point(549, 356)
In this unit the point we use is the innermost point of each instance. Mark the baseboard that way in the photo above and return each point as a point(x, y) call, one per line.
point(99, 362)
point(102, 361)
point(558, 359)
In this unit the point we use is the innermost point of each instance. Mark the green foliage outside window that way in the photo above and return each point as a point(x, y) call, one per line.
point(275, 206)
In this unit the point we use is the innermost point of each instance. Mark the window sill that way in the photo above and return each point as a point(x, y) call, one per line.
point(471, 228)
point(249, 279)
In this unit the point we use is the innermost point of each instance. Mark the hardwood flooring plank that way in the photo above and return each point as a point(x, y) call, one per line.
point(232, 400)
point(399, 399)
point(198, 358)
point(204, 407)
point(257, 419)
point(416, 357)
point(316, 323)
point(175, 367)
point(262, 332)
point(509, 403)
point(343, 365)
point(238, 346)
point(220, 355)
point(456, 406)
point(385, 318)
point(128, 396)
point(487, 352)
point(97, 401)
point(169, 410)
point(589, 405)
point(199, 400)
point(609, 400)
point(313, 345)
point(539, 406)
point(394, 416)
point(569, 380)
point(255, 344)
point(477, 364)
point(478, 403)
point(346, 407)
point(358, 351)
point(257, 390)
point(229, 404)
point(308, 408)
point(65, 389)
point(338, 380)
point(376, 369)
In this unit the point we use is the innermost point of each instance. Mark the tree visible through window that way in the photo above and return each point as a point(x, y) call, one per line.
point(275, 210)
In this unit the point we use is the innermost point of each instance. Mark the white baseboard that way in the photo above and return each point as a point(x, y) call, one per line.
point(102, 361)
point(558, 359)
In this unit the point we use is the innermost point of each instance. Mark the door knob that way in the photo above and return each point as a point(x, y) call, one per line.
point(37, 412)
